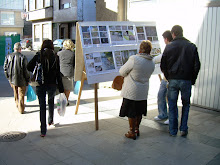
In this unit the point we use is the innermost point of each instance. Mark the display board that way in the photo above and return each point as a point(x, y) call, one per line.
point(103, 47)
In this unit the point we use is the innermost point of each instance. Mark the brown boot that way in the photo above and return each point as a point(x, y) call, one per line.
point(131, 134)
point(137, 124)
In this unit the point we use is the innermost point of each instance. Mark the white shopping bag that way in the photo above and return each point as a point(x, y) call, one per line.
point(61, 104)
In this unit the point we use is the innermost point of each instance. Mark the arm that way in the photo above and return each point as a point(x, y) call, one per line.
point(163, 65)
point(58, 75)
point(26, 72)
point(196, 67)
point(5, 67)
point(127, 67)
point(157, 59)
point(32, 63)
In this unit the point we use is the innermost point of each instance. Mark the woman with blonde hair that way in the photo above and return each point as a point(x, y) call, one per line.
point(136, 72)
point(67, 65)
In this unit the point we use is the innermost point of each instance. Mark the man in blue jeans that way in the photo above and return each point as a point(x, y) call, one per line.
point(180, 64)
point(162, 93)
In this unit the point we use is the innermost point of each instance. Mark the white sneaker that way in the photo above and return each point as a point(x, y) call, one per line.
point(157, 118)
point(166, 122)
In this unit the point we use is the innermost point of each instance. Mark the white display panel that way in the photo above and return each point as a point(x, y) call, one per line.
point(106, 46)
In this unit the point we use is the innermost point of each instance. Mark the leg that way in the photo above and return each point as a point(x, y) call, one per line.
point(137, 124)
point(67, 93)
point(173, 92)
point(41, 93)
point(15, 89)
point(131, 134)
point(21, 93)
point(161, 100)
point(185, 89)
point(51, 93)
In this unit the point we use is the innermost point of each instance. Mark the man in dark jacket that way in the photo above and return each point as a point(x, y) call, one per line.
point(15, 69)
point(180, 65)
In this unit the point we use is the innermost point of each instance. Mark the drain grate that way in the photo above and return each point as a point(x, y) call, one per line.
point(12, 136)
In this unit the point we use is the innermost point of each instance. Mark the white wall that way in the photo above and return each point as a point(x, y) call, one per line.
point(201, 26)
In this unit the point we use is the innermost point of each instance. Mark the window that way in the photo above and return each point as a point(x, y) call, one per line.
point(46, 3)
point(7, 18)
point(46, 31)
point(10, 33)
point(12, 4)
point(37, 33)
point(39, 4)
point(31, 5)
point(64, 4)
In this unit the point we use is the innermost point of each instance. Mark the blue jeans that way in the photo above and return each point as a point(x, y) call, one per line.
point(41, 93)
point(161, 100)
point(184, 86)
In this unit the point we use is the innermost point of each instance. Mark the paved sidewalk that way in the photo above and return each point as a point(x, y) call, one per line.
point(74, 140)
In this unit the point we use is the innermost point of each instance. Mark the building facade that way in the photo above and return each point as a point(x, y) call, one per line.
point(56, 19)
point(10, 15)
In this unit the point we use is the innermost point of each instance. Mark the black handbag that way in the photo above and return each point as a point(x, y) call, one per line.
point(37, 75)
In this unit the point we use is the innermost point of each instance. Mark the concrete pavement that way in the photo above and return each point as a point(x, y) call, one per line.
point(74, 140)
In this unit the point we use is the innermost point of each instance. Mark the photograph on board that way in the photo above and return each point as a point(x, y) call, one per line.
point(107, 61)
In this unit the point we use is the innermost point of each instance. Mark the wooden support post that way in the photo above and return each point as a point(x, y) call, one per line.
point(80, 91)
point(96, 107)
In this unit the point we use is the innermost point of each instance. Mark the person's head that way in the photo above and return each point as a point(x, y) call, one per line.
point(47, 44)
point(145, 47)
point(17, 47)
point(68, 44)
point(177, 31)
point(167, 36)
point(46, 49)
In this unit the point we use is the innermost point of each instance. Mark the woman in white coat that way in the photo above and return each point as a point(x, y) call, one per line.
point(136, 72)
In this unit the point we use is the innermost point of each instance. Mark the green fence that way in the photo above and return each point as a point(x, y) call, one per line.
point(6, 46)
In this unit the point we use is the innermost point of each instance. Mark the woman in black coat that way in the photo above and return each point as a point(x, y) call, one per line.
point(51, 75)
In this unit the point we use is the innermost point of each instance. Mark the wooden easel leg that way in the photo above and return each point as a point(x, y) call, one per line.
point(79, 95)
point(96, 107)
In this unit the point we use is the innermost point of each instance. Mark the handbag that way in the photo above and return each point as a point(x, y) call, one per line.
point(31, 96)
point(37, 75)
point(118, 82)
point(77, 87)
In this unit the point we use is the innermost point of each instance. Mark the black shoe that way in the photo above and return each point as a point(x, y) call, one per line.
point(173, 135)
point(183, 133)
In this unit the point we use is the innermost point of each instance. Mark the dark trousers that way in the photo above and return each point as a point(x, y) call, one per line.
point(41, 93)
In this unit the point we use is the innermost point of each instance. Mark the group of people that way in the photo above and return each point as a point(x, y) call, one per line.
point(58, 72)
point(180, 65)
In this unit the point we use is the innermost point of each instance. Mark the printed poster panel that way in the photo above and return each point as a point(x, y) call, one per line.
point(8, 44)
point(94, 36)
point(106, 62)
point(99, 62)
point(121, 57)
point(146, 33)
point(122, 35)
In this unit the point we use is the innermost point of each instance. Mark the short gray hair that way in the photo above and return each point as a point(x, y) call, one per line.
point(17, 46)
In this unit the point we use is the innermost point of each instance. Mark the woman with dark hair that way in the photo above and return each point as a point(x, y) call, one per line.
point(136, 72)
point(51, 76)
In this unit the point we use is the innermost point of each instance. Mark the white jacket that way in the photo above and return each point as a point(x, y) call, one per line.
point(136, 72)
